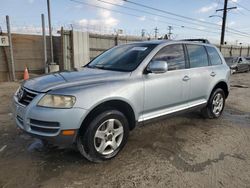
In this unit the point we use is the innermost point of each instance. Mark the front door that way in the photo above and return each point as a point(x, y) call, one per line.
point(166, 92)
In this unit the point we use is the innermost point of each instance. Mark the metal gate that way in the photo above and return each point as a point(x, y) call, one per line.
point(75, 49)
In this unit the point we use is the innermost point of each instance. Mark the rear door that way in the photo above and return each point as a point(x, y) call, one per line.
point(201, 74)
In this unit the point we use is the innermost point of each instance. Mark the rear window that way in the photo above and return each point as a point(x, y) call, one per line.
point(197, 55)
point(214, 56)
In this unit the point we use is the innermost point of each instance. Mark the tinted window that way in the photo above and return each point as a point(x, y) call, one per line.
point(214, 56)
point(174, 55)
point(197, 56)
point(122, 58)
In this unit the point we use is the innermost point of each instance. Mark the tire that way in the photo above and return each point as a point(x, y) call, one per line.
point(105, 136)
point(215, 104)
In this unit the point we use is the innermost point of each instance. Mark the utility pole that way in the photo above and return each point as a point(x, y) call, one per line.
point(156, 32)
point(170, 31)
point(13, 76)
point(143, 33)
point(224, 19)
point(44, 44)
point(50, 33)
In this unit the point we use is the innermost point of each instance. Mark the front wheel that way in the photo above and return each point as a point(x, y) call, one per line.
point(105, 136)
point(215, 104)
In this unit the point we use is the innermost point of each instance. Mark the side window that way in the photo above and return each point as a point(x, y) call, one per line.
point(197, 55)
point(174, 55)
point(214, 56)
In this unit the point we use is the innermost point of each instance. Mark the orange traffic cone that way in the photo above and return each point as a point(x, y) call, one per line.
point(26, 74)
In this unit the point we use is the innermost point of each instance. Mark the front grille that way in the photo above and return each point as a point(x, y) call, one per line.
point(44, 126)
point(25, 96)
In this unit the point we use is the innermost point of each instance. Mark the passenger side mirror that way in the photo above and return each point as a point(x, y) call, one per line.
point(157, 67)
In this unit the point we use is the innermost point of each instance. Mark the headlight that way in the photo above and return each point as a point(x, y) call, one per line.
point(57, 101)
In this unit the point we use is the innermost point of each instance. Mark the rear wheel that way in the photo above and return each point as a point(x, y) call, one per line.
point(105, 136)
point(215, 104)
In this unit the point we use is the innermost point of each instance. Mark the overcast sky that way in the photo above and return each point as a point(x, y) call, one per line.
point(25, 17)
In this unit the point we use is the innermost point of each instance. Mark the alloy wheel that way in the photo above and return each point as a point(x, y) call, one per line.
point(218, 103)
point(108, 136)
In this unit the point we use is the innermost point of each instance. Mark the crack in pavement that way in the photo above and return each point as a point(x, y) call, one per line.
point(182, 164)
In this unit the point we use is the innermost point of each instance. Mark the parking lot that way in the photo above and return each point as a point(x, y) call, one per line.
point(181, 151)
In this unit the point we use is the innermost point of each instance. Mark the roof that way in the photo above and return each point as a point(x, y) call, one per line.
point(200, 41)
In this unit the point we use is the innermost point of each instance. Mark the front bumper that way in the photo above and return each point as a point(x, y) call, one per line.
point(48, 123)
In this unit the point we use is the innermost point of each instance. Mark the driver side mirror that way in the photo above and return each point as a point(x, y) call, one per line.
point(157, 67)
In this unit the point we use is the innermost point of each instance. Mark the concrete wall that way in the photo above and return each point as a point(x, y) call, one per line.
point(71, 50)
point(80, 49)
point(28, 51)
point(3, 64)
point(232, 51)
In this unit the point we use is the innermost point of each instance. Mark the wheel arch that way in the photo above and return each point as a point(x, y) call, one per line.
point(223, 85)
point(117, 104)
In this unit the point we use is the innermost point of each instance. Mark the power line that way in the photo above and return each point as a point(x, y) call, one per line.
point(139, 10)
point(178, 15)
point(134, 15)
point(215, 25)
point(236, 12)
point(167, 12)
point(240, 5)
point(137, 16)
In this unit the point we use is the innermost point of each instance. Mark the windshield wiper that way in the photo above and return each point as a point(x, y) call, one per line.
point(94, 67)
point(102, 67)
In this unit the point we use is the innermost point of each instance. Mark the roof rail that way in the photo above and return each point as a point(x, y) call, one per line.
point(198, 40)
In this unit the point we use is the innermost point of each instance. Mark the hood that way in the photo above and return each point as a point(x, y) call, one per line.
point(72, 78)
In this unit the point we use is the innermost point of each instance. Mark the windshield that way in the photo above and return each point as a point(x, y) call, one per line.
point(124, 58)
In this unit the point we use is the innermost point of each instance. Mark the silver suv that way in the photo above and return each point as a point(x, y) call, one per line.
point(96, 107)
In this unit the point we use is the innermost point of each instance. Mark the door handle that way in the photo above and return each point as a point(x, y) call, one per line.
point(185, 78)
point(212, 74)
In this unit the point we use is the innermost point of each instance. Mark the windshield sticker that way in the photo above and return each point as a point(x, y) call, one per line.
point(139, 48)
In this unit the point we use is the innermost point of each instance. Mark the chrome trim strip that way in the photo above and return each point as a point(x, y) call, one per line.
point(170, 112)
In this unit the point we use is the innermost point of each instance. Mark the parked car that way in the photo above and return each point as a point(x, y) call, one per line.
point(96, 108)
point(238, 64)
point(247, 58)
